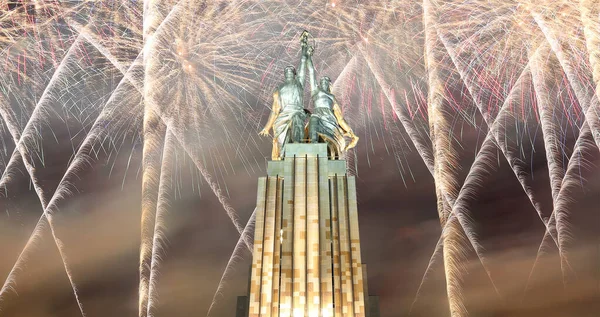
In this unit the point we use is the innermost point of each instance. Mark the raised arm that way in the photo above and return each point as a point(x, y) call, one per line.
point(312, 77)
point(301, 68)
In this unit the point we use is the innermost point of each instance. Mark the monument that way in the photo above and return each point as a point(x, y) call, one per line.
point(306, 257)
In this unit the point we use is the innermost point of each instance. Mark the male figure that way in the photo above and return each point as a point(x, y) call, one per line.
point(288, 115)
point(327, 122)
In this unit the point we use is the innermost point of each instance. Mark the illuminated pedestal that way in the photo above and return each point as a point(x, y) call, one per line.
point(306, 257)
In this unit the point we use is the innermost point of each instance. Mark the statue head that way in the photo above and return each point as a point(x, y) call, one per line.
point(325, 84)
point(290, 73)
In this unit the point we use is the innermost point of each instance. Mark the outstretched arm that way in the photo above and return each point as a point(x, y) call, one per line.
point(337, 111)
point(274, 113)
point(312, 78)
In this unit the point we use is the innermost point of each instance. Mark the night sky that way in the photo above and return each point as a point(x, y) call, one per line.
point(99, 223)
point(399, 230)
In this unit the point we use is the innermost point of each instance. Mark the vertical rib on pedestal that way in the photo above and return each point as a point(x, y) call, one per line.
point(268, 245)
point(277, 249)
point(256, 279)
point(285, 299)
point(325, 240)
point(357, 272)
point(345, 255)
point(299, 254)
point(335, 233)
point(312, 240)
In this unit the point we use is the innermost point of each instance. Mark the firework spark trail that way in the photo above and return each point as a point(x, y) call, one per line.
point(7, 174)
point(429, 269)
point(590, 9)
point(235, 255)
point(588, 102)
point(570, 181)
point(555, 167)
point(5, 113)
point(36, 115)
point(21, 147)
point(451, 230)
point(91, 38)
point(467, 227)
point(444, 162)
point(178, 131)
point(443, 172)
point(12, 125)
point(41, 195)
point(80, 159)
point(127, 73)
point(493, 131)
point(60, 247)
point(13, 128)
point(345, 72)
point(483, 164)
point(577, 160)
point(10, 283)
point(212, 184)
point(583, 92)
point(154, 136)
point(206, 175)
point(514, 162)
point(406, 121)
point(550, 230)
point(164, 188)
point(342, 79)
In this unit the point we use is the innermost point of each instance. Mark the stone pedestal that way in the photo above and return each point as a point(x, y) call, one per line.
point(306, 257)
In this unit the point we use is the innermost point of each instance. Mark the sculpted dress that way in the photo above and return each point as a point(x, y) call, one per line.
point(326, 123)
point(289, 124)
point(288, 115)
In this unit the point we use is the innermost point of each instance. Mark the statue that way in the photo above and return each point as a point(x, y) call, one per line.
point(327, 123)
point(288, 115)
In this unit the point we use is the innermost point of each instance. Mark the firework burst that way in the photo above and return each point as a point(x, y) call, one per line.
point(197, 74)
